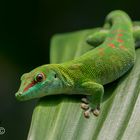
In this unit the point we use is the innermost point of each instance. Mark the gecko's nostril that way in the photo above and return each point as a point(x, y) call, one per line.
point(20, 93)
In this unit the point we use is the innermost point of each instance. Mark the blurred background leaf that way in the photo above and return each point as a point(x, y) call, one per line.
point(60, 117)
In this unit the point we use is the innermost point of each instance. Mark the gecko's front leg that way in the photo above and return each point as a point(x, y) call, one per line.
point(91, 104)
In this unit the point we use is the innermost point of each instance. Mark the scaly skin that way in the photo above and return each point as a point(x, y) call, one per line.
point(87, 74)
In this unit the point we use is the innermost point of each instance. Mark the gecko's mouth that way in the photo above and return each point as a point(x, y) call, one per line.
point(19, 96)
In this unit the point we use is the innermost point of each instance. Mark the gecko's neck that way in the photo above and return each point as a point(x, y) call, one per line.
point(64, 74)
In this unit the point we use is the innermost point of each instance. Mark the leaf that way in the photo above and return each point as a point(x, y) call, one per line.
point(60, 117)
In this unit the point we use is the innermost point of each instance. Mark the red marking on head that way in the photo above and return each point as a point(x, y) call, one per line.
point(120, 34)
point(120, 40)
point(29, 86)
point(111, 45)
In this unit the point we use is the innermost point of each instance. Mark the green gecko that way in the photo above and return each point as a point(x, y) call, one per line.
point(88, 73)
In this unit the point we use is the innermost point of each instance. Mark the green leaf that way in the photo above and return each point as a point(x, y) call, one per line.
point(60, 117)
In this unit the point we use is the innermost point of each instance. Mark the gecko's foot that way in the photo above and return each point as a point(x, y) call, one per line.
point(96, 112)
point(84, 104)
point(88, 109)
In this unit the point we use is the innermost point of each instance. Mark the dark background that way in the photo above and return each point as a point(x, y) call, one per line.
point(26, 27)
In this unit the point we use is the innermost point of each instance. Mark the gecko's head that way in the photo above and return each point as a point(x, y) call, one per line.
point(40, 82)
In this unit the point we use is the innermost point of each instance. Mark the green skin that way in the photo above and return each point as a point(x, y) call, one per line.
point(87, 74)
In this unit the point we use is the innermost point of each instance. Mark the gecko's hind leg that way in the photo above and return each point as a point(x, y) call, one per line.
point(97, 38)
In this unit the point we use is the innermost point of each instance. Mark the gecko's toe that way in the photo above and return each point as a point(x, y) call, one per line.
point(84, 106)
point(85, 100)
point(96, 112)
point(87, 114)
point(89, 108)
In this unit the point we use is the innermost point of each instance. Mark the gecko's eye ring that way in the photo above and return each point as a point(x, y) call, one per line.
point(39, 77)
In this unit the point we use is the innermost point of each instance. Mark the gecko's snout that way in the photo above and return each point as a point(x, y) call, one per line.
point(18, 95)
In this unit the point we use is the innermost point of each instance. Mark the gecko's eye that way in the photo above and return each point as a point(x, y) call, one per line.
point(39, 77)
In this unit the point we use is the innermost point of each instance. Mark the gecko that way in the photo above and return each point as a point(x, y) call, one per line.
point(87, 74)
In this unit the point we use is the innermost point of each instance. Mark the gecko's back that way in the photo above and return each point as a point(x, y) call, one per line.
point(115, 56)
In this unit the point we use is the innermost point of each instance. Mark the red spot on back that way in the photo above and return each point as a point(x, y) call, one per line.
point(116, 31)
point(111, 45)
point(120, 40)
point(122, 47)
point(111, 38)
point(120, 34)
point(101, 51)
point(29, 86)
